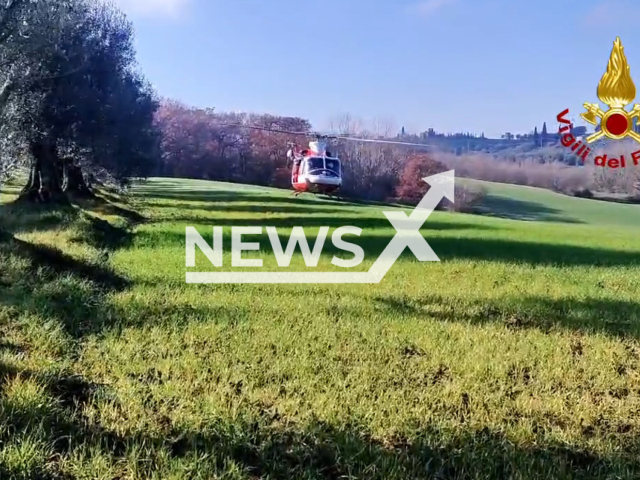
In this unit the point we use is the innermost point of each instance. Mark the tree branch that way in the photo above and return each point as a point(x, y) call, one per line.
point(9, 10)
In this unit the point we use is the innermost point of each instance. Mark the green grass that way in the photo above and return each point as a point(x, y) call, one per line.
point(538, 204)
point(517, 356)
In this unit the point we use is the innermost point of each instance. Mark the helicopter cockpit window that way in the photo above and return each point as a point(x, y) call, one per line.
point(333, 165)
point(315, 163)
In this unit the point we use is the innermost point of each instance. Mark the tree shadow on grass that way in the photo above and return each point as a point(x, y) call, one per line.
point(228, 196)
point(319, 450)
point(261, 449)
point(78, 296)
point(260, 208)
point(102, 235)
point(55, 423)
point(446, 247)
point(57, 263)
point(332, 452)
point(531, 253)
point(510, 208)
point(51, 284)
point(368, 224)
point(111, 196)
point(54, 286)
point(20, 217)
point(617, 318)
point(107, 204)
point(327, 451)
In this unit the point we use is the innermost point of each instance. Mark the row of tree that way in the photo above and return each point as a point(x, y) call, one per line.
point(200, 143)
point(75, 110)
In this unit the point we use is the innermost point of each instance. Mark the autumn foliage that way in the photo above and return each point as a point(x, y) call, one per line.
point(203, 143)
point(411, 188)
point(199, 143)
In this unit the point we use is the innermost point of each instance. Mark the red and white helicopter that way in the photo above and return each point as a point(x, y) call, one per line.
point(314, 169)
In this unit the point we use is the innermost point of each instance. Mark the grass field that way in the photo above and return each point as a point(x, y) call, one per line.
point(517, 356)
point(537, 204)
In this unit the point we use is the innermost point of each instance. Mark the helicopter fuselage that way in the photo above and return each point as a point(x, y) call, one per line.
point(315, 170)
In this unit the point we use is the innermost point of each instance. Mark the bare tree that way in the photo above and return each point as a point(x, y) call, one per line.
point(384, 127)
point(346, 124)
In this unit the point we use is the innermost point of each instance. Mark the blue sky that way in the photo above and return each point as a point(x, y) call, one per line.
point(472, 65)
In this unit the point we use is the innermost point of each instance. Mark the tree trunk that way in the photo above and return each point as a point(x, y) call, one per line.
point(32, 177)
point(44, 185)
point(73, 180)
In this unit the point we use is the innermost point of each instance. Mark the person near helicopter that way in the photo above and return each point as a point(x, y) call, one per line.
point(291, 155)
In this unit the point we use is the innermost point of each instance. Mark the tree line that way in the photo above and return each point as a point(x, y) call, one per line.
point(202, 143)
point(76, 112)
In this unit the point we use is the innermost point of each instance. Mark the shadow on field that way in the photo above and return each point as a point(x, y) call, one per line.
point(56, 263)
point(106, 203)
point(229, 193)
point(446, 247)
point(372, 245)
point(503, 207)
point(613, 317)
point(19, 217)
point(532, 253)
point(54, 286)
point(366, 223)
point(262, 208)
point(227, 196)
point(46, 282)
point(328, 452)
point(257, 448)
point(23, 218)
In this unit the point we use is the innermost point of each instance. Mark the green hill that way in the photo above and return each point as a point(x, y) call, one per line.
point(516, 356)
point(538, 204)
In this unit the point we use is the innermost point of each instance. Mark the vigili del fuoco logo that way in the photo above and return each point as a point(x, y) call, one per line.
point(616, 90)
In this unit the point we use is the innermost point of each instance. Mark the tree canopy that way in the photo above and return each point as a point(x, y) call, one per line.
point(74, 107)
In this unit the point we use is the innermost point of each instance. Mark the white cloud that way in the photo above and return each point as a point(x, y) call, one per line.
point(426, 8)
point(155, 8)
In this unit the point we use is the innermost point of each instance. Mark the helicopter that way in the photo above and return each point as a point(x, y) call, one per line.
point(314, 169)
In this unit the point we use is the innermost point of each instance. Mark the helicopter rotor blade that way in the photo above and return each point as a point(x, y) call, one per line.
point(327, 136)
point(265, 129)
point(388, 142)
